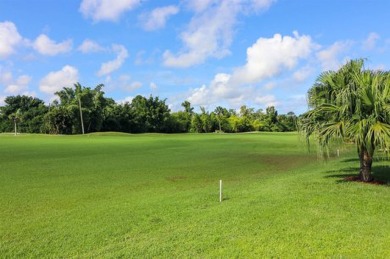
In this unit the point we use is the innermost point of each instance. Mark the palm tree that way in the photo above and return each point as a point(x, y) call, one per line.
point(352, 104)
point(219, 111)
point(16, 117)
point(78, 91)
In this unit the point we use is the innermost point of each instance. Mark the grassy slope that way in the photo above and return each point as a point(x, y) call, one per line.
point(157, 195)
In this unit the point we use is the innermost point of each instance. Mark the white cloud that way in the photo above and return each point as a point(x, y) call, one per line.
point(122, 83)
point(270, 56)
point(18, 86)
point(265, 59)
point(157, 18)
point(261, 4)
point(127, 99)
point(219, 89)
point(210, 32)
point(55, 81)
point(45, 46)
point(9, 39)
point(329, 57)
point(253, 5)
point(110, 66)
point(106, 10)
point(370, 42)
point(126, 84)
point(200, 5)
point(302, 74)
point(201, 96)
point(90, 46)
point(5, 77)
point(266, 100)
point(133, 86)
point(153, 86)
point(2, 99)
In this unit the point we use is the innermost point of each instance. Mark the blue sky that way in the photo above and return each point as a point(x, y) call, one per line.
point(209, 52)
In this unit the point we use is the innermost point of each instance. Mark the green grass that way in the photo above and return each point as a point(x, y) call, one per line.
point(118, 195)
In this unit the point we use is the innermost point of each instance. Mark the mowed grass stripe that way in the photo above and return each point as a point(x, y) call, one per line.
point(156, 195)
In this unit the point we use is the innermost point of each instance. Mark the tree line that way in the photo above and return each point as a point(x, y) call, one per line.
point(82, 109)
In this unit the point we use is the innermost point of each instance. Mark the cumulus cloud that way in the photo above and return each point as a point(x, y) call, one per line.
point(200, 5)
point(9, 39)
point(269, 56)
point(14, 86)
point(90, 46)
point(201, 96)
point(266, 100)
point(18, 86)
point(210, 32)
point(127, 85)
point(45, 46)
point(265, 59)
point(254, 5)
point(153, 86)
point(55, 81)
point(329, 57)
point(302, 74)
point(5, 77)
point(370, 42)
point(106, 10)
point(219, 89)
point(261, 4)
point(133, 86)
point(157, 18)
point(110, 66)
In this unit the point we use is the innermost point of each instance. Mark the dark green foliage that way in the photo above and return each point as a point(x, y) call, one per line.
point(25, 111)
point(351, 104)
point(81, 109)
point(150, 114)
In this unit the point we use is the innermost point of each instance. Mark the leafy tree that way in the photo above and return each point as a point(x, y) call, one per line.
point(58, 120)
point(150, 114)
point(221, 115)
point(287, 121)
point(85, 105)
point(24, 112)
point(206, 120)
point(187, 107)
point(118, 117)
point(186, 116)
point(196, 123)
point(351, 104)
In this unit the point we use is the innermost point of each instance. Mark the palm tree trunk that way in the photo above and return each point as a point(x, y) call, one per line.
point(81, 117)
point(365, 165)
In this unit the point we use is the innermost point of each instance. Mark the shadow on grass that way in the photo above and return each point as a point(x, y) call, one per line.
point(380, 173)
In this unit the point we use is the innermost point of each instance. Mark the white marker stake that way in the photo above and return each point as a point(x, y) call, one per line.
point(338, 152)
point(220, 190)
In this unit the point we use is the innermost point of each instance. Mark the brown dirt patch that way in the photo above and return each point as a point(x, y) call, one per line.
point(356, 178)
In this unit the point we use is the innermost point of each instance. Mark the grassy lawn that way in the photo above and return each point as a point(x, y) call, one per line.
point(113, 195)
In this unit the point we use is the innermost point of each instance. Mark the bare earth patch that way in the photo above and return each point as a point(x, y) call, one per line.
point(356, 178)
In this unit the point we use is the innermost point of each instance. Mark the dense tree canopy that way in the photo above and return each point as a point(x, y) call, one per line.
point(23, 113)
point(351, 104)
point(83, 109)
